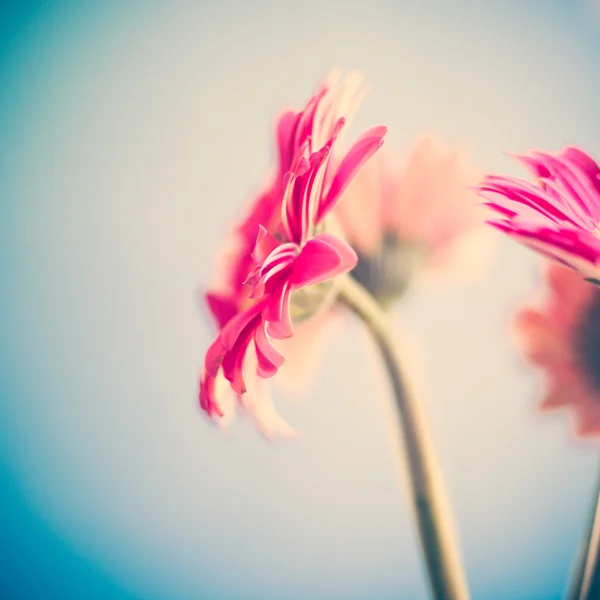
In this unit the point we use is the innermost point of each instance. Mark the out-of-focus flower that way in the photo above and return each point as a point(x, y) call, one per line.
point(282, 262)
point(559, 215)
point(403, 217)
point(562, 338)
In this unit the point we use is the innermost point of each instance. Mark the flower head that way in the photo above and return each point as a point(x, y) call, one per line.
point(559, 215)
point(563, 339)
point(282, 250)
point(405, 216)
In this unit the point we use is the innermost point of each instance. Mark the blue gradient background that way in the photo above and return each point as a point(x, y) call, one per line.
point(130, 133)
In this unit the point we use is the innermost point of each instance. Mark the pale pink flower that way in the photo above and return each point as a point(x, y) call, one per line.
point(562, 338)
point(559, 215)
point(404, 216)
point(281, 248)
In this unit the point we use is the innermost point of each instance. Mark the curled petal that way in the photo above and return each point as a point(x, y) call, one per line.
point(214, 356)
point(234, 361)
point(277, 314)
point(235, 338)
point(322, 258)
point(238, 324)
point(265, 244)
point(269, 358)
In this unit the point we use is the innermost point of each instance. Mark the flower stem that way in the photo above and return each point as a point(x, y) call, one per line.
point(442, 556)
point(585, 584)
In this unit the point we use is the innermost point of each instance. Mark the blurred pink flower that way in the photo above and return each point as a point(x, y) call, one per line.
point(281, 248)
point(558, 216)
point(563, 339)
point(405, 216)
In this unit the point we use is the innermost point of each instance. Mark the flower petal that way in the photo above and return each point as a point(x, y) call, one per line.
point(556, 398)
point(366, 145)
point(214, 357)
point(234, 361)
point(237, 324)
point(223, 308)
point(207, 395)
point(322, 258)
point(277, 314)
point(286, 130)
point(575, 249)
point(543, 341)
point(269, 358)
point(265, 244)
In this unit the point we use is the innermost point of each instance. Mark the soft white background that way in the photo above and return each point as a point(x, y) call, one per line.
point(133, 137)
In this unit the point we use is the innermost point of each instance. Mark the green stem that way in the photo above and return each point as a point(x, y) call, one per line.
point(586, 578)
point(440, 548)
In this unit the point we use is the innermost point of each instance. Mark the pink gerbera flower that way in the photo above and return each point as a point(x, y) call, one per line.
point(413, 214)
point(563, 339)
point(281, 249)
point(558, 216)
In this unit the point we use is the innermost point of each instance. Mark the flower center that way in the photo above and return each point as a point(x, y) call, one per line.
point(588, 340)
point(388, 273)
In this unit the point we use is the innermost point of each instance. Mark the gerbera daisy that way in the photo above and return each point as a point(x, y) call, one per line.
point(407, 216)
point(562, 338)
point(559, 215)
point(283, 260)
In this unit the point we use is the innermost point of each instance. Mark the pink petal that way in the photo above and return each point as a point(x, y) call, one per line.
point(564, 242)
point(532, 164)
point(306, 120)
point(214, 356)
point(503, 210)
point(286, 129)
point(366, 145)
point(309, 194)
point(369, 205)
point(322, 258)
point(569, 289)
point(289, 211)
point(265, 244)
point(520, 191)
point(237, 324)
point(222, 307)
point(588, 418)
point(277, 314)
point(206, 396)
point(234, 359)
point(543, 341)
point(555, 398)
point(269, 358)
